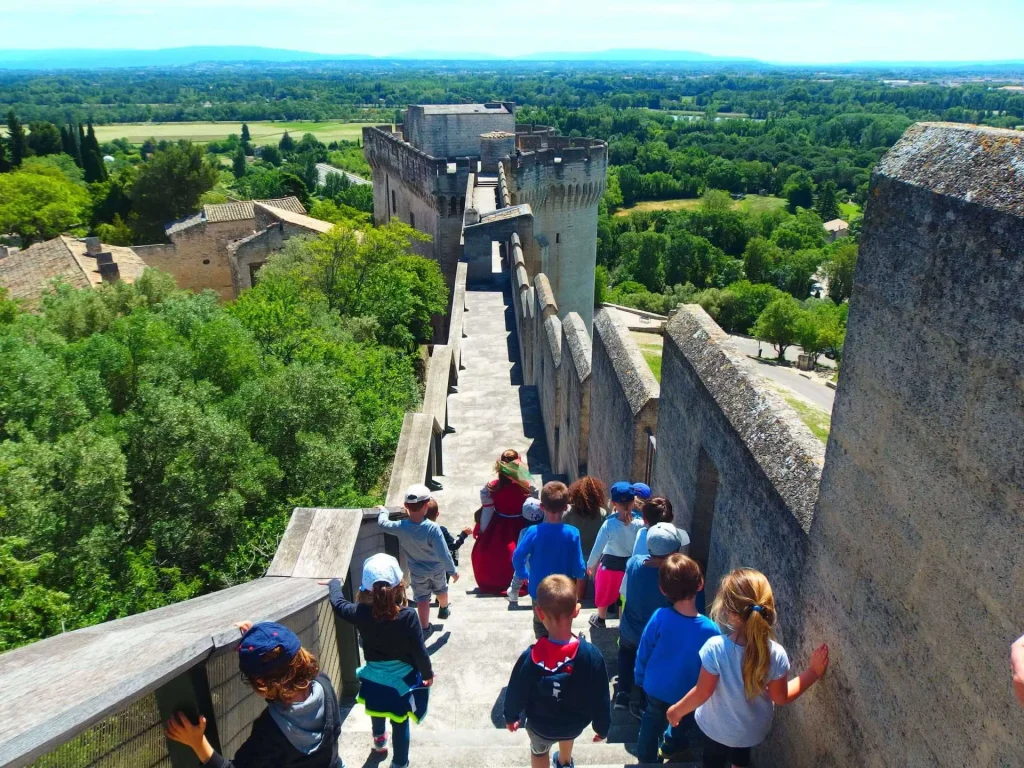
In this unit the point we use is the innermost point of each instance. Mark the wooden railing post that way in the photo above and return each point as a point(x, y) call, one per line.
point(348, 650)
point(189, 692)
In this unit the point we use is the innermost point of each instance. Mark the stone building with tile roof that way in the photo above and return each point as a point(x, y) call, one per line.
point(197, 255)
point(81, 263)
point(276, 225)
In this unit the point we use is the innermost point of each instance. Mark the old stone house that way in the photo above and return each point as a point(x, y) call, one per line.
point(29, 274)
point(197, 255)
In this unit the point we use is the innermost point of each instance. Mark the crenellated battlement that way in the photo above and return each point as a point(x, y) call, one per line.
point(385, 148)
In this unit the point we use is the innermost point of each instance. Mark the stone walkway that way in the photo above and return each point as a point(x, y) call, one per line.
point(473, 652)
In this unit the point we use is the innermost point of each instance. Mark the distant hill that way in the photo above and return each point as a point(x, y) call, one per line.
point(90, 58)
point(630, 54)
point(87, 58)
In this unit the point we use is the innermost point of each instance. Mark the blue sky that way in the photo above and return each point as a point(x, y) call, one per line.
point(803, 31)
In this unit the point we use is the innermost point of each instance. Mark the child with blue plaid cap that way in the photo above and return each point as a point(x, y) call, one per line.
point(301, 725)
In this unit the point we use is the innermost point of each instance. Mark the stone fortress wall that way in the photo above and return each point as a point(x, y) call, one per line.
point(899, 544)
point(454, 130)
point(426, 171)
point(425, 192)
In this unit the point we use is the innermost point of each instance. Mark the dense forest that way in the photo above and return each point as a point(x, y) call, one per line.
point(153, 441)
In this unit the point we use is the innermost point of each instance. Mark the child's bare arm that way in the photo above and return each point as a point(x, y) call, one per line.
point(783, 691)
point(1017, 665)
point(181, 729)
point(700, 693)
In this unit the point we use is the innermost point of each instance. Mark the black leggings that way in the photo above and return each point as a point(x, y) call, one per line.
point(720, 756)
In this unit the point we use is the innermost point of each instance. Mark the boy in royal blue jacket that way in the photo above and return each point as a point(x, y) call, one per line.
point(559, 686)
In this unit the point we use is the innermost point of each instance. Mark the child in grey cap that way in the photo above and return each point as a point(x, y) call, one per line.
point(426, 553)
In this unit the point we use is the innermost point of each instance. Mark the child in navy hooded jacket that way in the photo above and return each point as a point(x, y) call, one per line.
point(559, 685)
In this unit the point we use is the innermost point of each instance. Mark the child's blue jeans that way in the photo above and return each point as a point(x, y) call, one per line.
point(655, 731)
point(399, 738)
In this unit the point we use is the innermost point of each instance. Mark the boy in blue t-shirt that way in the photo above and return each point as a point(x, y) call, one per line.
point(551, 547)
point(668, 660)
point(643, 598)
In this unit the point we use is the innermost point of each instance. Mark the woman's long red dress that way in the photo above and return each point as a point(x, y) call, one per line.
point(492, 552)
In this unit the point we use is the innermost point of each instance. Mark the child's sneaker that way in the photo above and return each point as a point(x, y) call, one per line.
point(556, 764)
point(621, 700)
point(686, 755)
point(597, 622)
point(380, 744)
point(512, 597)
point(444, 613)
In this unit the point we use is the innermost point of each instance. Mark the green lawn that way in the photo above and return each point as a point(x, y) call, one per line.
point(817, 420)
point(760, 204)
point(848, 211)
point(653, 359)
point(749, 204)
point(261, 132)
point(688, 204)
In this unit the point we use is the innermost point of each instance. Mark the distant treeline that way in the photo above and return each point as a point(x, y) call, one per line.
point(249, 92)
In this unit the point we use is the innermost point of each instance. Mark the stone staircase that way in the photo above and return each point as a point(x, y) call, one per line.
point(474, 650)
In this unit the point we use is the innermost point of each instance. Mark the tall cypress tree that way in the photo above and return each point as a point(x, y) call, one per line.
point(17, 139)
point(92, 158)
point(245, 132)
point(91, 138)
point(74, 144)
point(4, 165)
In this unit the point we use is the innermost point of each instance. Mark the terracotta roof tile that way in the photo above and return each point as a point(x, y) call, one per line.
point(242, 209)
point(28, 274)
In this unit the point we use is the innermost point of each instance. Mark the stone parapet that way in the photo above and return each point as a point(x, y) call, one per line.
point(914, 574)
point(623, 403)
point(574, 407)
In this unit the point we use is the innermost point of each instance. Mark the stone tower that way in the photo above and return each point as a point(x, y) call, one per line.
point(562, 180)
point(421, 171)
point(469, 176)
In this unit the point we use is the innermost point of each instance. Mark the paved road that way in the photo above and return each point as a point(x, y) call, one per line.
point(750, 345)
point(810, 389)
point(324, 170)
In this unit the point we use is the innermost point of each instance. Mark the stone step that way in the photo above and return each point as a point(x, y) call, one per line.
point(440, 749)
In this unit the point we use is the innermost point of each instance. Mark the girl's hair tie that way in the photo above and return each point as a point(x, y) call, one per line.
point(757, 609)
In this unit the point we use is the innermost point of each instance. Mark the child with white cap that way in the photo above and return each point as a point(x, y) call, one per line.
point(394, 682)
point(643, 597)
point(430, 562)
point(533, 513)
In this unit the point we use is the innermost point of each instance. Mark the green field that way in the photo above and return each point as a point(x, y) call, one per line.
point(749, 204)
point(817, 420)
point(262, 133)
point(653, 358)
point(849, 210)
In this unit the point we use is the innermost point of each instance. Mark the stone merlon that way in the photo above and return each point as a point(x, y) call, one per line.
point(981, 167)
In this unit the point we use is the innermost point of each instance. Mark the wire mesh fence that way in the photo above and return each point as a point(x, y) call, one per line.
point(131, 738)
point(134, 736)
